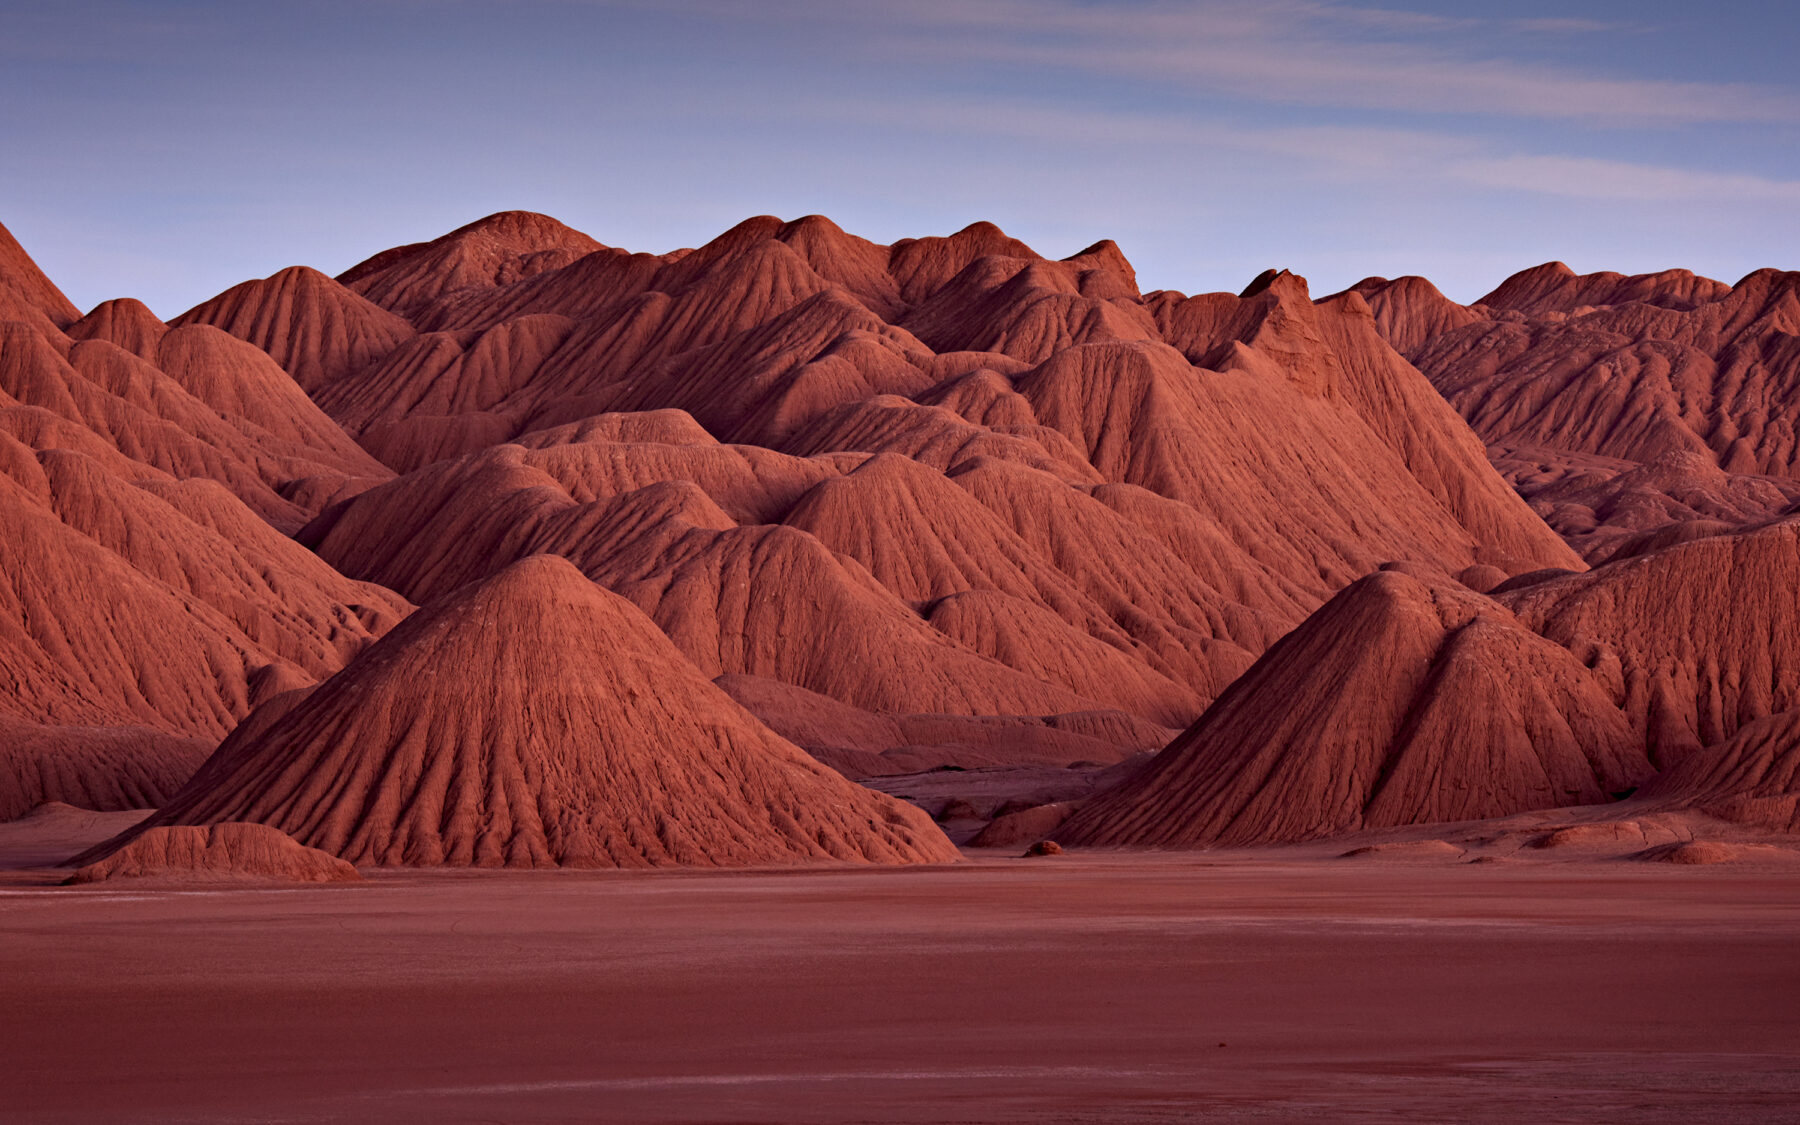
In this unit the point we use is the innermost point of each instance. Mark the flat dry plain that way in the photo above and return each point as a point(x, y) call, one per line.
point(1085, 987)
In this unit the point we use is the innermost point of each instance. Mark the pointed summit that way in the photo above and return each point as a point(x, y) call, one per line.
point(486, 254)
point(923, 265)
point(124, 321)
point(316, 328)
point(26, 294)
point(535, 719)
point(1404, 700)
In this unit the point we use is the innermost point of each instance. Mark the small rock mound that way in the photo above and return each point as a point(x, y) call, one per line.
point(1592, 835)
point(1698, 852)
point(1408, 850)
point(218, 853)
point(1043, 847)
point(1015, 828)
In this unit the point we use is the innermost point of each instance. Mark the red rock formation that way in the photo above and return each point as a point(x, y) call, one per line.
point(862, 744)
point(1405, 700)
point(1411, 311)
point(1607, 508)
point(1560, 373)
point(219, 853)
point(962, 501)
point(1554, 287)
point(124, 321)
point(792, 333)
point(530, 720)
point(204, 406)
point(144, 606)
point(155, 602)
point(100, 768)
point(1694, 641)
point(1752, 778)
point(26, 294)
point(487, 254)
point(315, 328)
point(1213, 507)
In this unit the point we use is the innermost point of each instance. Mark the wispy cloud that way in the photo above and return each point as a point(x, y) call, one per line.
point(1291, 52)
point(1588, 178)
point(1556, 25)
point(1305, 53)
point(1417, 159)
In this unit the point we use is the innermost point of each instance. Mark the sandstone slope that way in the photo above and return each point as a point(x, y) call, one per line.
point(978, 481)
point(1405, 700)
point(149, 595)
point(533, 720)
point(1574, 381)
point(1410, 700)
point(1752, 778)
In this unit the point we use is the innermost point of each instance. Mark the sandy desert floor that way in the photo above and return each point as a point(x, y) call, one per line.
point(1085, 987)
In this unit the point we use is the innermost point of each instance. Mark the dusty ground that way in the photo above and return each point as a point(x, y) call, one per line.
point(1146, 988)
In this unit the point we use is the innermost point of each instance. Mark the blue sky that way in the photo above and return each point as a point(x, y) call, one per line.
point(168, 150)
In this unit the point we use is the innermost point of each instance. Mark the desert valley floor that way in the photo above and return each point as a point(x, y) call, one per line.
point(1104, 987)
point(804, 679)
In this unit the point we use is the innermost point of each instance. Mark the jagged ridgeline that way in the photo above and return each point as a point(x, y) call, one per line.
point(515, 548)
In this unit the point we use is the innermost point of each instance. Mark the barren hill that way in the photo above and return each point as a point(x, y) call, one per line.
point(1407, 700)
point(533, 719)
point(1619, 405)
point(945, 502)
point(979, 481)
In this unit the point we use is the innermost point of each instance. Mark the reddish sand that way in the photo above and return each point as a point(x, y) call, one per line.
point(1066, 989)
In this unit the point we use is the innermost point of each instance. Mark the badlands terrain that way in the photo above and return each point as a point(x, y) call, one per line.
point(1406, 694)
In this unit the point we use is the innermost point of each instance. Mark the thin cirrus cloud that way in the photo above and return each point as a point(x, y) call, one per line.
point(1292, 52)
point(1360, 153)
point(1316, 54)
point(1579, 177)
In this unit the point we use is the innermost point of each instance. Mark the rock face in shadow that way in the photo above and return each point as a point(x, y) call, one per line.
point(1752, 778)
point(219, 853)
point(1694, 640)
point(533, 720)
point(1610, 509)
point(104, 769)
